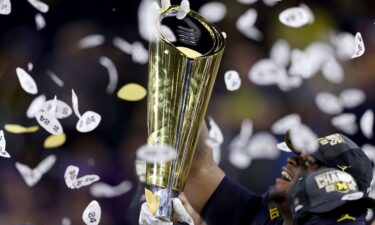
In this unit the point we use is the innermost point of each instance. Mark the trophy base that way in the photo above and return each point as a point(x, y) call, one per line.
point(165, 209)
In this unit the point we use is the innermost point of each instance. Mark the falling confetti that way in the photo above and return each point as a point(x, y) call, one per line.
point(32, 176)
point(295, 17)
point(283, 147)
point(88, 122)
point(148, 14)
point(35, 106)
point(345, 45)
point(247, 2)
point(328, 103)
point(280, 53)
point(91, 41)
point(303, 139)
point(103, 190)
point(49, 122)
point(215, 136)
point(132, 92)
point(359, 46)
point(54, 141)
point(168, 33)
point(213, 11)
point(245, 24)
point(156, 153)
point(270, 2)
point(91, 215)
point(112, 73)
point(333, 71)
point(284, 124)
point(346, 123)
point(369, 150)
point(239, 159)
point(184, 9)
point(55, 78)
point(352, 97)
point(66, 221)
point(27, 82)
point(266, 72)
point(366, 123)
point(165, 4)
point(262, 145)
point(18, 129)
point(123, 45)
point(41, 6)
point(5, 7)
point(62, 109)
point(75, 104)
point(40, 21)
point(139, 53)
point(232, 80)
point(3, 152)
point(30, 66)
point(73, 182)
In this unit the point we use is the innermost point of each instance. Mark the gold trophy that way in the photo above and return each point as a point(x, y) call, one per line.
point(182, 72)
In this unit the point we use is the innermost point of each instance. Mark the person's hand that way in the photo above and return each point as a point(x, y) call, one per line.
point(180, 215)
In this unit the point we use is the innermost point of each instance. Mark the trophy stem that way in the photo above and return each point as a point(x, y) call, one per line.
point(165, 209)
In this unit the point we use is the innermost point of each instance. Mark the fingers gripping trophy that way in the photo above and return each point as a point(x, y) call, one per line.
point(183, 64)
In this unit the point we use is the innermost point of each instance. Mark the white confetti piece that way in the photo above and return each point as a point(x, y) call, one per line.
point(32, 176)
point(168, 33)
point(30, 66)
point(289, 82)
point(303, 139)
point(148, 15)
point(224, 35)
point(165, 4)
point(300, 64)
point(5, 7)
point(369, 215)
point(91, 41)
point(247, 2)
point(156, 153)
point(73, 182)
point(346, 123)
point(103, 190)
point(27, 82)
point(239, 159)
point(369, 150)
point(112, 72)
point(282, 125)
point(280, 52)
point(359, 46)
point(352, 97)
point(66, 221)
point(3, 152)
point(270, 2)
point(262, 145)
point(366, 123)
point(308, 10)
point(184, 9)
point(333, 71)
point(41, 6)
point(232, 80)
point(40, 21)
point(239, 142)
point(245, 24)
point(35, 106)
point(52, 111)
point(88, 122)
point(344, 44)
point(328, 103)
point(295, 17)
point(213, 11)
point(85, 181)
point(75, 104)
point(283, 147)
point(139, 53)
point(215, 136)
point(48, 122)
point(55, 78)
point(123, 45)
point(91, 215)
point(61, 111)
point(266, 72)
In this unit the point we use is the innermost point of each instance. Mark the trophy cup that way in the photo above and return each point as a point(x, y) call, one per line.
point(182, 72)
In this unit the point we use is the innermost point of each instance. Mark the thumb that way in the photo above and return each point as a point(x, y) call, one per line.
point(182, 214)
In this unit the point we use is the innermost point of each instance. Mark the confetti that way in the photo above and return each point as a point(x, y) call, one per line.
point(112, 72)
point(239, 159)
point(165, 4)
point(30, 66)
point(132, 92)
point(184, 9)
point(295, 17)
point(48, 122)
point(284, 124)
point(346, 123)
point(123, 45)
point(232, 80)
point(73, 182)
point(35, 106)
point(213, 11)
point(369, 150)
point(18, 129)
point(55, 78)
point(240, 141)
point(366, 123)
point(266, 72)
point(91, 41)
point(300, 64)
point(303, 139)
point(333, 71)
point(289, 82)
point(41, 6)
point(139, 53)
point(247, 2)
point(66, 221)
point(344, 44)
point(54, 141)
point(148, 16)
point(32, 176)
point(140, 169)
point(262, 145)
point(270, 2)
point(168, 33)
point(283, 147)
point(62, 109)
point(40, 21)
point(352, 97)
point(328, 103)
point(91, 215)
point(369, 215)
point(156, 153)
point(280, 52)
point(215, 136)
point(103, 190)
point(245, 24)
point(27, 82)
point(3, 152)
point(75, 104)
point(5, 7)
point(88, 122)
point(359, 46)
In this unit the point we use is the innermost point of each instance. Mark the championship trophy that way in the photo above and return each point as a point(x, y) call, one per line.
point(182, 72)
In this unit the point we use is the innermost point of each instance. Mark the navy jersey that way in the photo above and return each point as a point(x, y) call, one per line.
point(232, 204)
